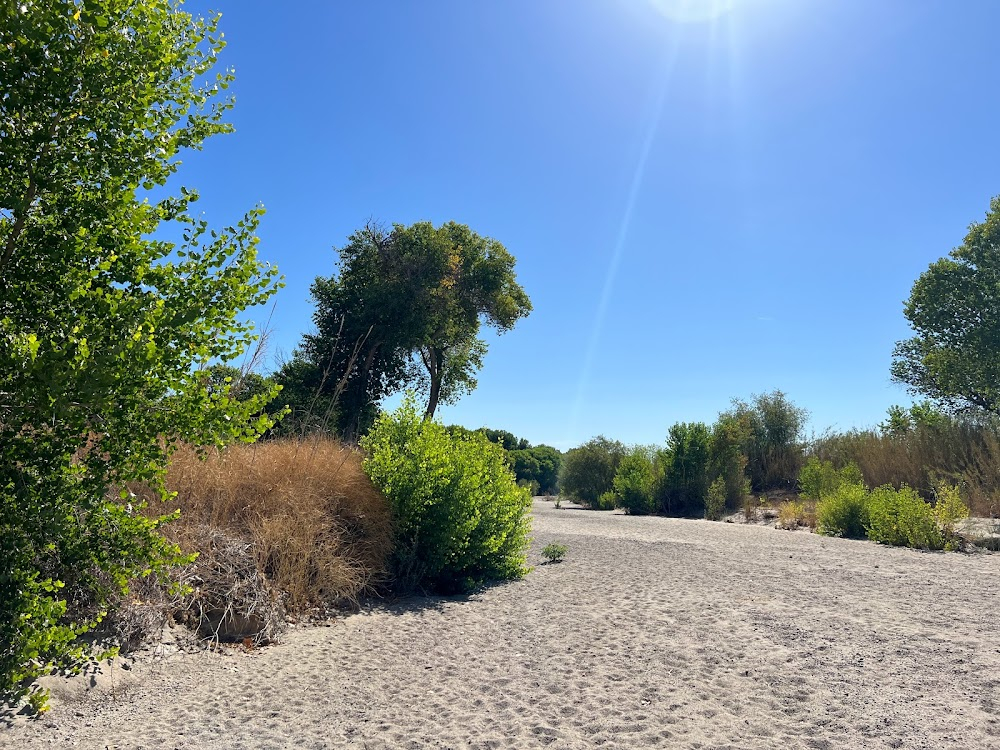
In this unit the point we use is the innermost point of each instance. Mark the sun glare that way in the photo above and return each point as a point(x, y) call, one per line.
point(693, 11)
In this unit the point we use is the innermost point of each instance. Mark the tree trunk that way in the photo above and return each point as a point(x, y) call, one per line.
point(434, 362)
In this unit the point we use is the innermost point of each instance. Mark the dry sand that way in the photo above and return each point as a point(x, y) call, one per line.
point(653, 633)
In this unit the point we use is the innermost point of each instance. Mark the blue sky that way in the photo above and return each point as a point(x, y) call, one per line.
point(699, 210)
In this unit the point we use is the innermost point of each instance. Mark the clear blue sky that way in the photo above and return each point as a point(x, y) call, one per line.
point(699, 210)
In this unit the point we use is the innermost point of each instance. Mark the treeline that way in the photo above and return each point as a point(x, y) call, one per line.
point(758, 446)
point(753, 447)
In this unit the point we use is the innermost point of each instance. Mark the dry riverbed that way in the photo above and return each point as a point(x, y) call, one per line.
point(654, 632)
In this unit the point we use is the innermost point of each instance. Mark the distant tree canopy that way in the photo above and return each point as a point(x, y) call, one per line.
point(954, 309)
point(404, 309)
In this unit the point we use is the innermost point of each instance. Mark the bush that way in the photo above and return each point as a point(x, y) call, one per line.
point(555, 552)
point(715, 502)
point(902, 518)
point(633, 483)
point(588, 472)
point(949, 510)
point(791, 515)
point(459, 517)
point(684, 485)
point(844, 512)
point(727, 459)
point(923, 448)
point(819, 479)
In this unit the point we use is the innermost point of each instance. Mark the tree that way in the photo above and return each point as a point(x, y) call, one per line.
point(685, 469)
point(105, 325)
point(588, 471)
point(405, 308)
point(770, 426)
point(954, 309)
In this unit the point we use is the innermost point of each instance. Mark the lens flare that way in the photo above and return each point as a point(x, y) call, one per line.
point(693, 11)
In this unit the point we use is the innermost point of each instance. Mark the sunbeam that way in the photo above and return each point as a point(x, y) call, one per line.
point(652, 125)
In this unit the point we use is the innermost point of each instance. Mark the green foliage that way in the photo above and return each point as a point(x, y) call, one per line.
point(460, 519)
point(770, 427)
point(588, 472)
point(113, 301)
point(954, 310)
point(844, 512)
point(555, 552)
point(538, 464)
point(902, 518)
point(634, 482)
point(715, 501)
point(404, 308)
point(607, 501)
point(730, 436)
point(818, 479)
point(684, 485)
point(949, 509)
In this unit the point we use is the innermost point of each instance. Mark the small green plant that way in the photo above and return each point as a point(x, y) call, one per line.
point(38, 701)
point(558, 503)
point(555, 552)
point(715, 502)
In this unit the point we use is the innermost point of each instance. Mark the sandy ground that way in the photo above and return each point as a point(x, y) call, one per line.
point(653, 633)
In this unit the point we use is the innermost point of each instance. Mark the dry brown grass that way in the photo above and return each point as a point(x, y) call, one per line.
point(319, 530)
point(955, 452)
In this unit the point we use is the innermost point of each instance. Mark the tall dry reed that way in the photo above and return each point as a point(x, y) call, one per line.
point(955, 451)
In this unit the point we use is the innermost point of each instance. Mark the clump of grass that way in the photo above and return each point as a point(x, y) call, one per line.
point(310, 529)
point(792, 514)
point(555, 552)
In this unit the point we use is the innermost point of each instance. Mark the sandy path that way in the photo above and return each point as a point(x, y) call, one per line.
point(654, 633)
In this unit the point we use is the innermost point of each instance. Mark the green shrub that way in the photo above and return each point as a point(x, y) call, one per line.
point(555, 552)
point(727, 459)
point(460, 520)
point(818, 479)
point(844, 512)
point(715, 502)
point(634, 482)
point(902, 518)
point(949, 510)
point(588, 472)
point(685, 470)
point(770, 428)
point(607, 501)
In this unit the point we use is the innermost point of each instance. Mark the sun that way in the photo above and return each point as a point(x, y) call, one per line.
point(693, 11)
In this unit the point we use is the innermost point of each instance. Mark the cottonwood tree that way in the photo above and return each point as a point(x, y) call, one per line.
point(405, 307)
point(954, 310)
point(105, 324)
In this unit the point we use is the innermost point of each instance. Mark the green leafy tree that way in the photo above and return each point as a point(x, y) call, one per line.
point(954, 310)
point(588, 472)
point(634, 481)
point(404, 308)
point(685, 469)
point(771, 427)
point(106, 326)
